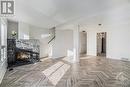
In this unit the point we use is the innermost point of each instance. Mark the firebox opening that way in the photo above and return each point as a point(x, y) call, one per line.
point(22, 56)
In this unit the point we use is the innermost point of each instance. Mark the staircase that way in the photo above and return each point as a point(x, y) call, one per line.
point(52, 33)
point(51, 39)
point(51, 42)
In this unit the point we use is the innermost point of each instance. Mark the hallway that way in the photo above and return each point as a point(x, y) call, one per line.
point(90, 72)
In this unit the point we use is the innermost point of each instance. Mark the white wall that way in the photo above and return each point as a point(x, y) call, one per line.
point(63, 44)
point(117, 45)
point(116, 24)
point(43, 36)
point(83, 42)
point(118, 42)
point(23, 30)
point(27, 31)
point(12, 26)
point(91, 43)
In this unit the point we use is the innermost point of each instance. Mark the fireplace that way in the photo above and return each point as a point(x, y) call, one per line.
point(21, 52)
point(22, 56)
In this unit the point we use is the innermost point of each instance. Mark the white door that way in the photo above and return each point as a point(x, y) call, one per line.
point(3, 48)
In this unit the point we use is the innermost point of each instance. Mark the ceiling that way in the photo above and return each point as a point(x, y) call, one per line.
point(49, 13)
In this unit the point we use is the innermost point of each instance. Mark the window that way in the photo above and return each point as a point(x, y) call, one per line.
point(2, 41)
point(2, 35)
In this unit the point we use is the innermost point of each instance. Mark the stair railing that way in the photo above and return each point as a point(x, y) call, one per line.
point(53, 36)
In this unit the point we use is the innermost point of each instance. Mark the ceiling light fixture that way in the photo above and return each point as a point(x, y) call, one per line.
point(99, 24)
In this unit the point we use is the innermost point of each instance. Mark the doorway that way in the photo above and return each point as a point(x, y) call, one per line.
point(83, 43)
point(101, 44)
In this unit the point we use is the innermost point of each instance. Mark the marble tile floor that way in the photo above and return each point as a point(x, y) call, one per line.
point(89, 72)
